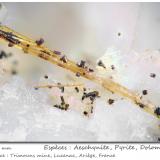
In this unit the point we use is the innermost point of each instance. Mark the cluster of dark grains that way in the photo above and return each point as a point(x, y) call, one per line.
point(57, 52)
point(62, 100)
point(40, 41)
point(46, 52)
point(91, 95)
point(10, 37)
point(101, 64)
point(153, 75)
point(3, 54)
point(63, 59)
point(141, 105)
point(112, 67)
point(46, 77)
point(78, 74)
point(81, 64)
point(157, 111)
point(110, 101)
point(63, 105)
point(77, 89)
point(91, 109)
point(43, 56)
point(58, 106)
point(144, 92)
point(91, 70)
point(60, 87)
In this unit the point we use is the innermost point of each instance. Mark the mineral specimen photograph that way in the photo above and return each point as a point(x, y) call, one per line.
point(79, 72)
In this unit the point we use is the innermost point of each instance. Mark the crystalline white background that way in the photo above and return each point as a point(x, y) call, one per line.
point(27, 114)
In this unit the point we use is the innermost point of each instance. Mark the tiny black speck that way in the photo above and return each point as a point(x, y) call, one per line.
point(112, 67)
point(85, 113)
point(13, 72)
point(76, 88)
point(153, 75)
point(46, 77)
point(119, 34)
point(91, 70)
point(63, 59)
point(100, 63)
point(145, 92)
point(157, 111)
point(40, 41)
point(57, 52)
point(78, 74)
point(110, 101)
point(141, 105)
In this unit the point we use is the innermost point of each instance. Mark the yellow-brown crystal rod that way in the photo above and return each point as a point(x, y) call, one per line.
point(59, 85)
point(29, 46)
